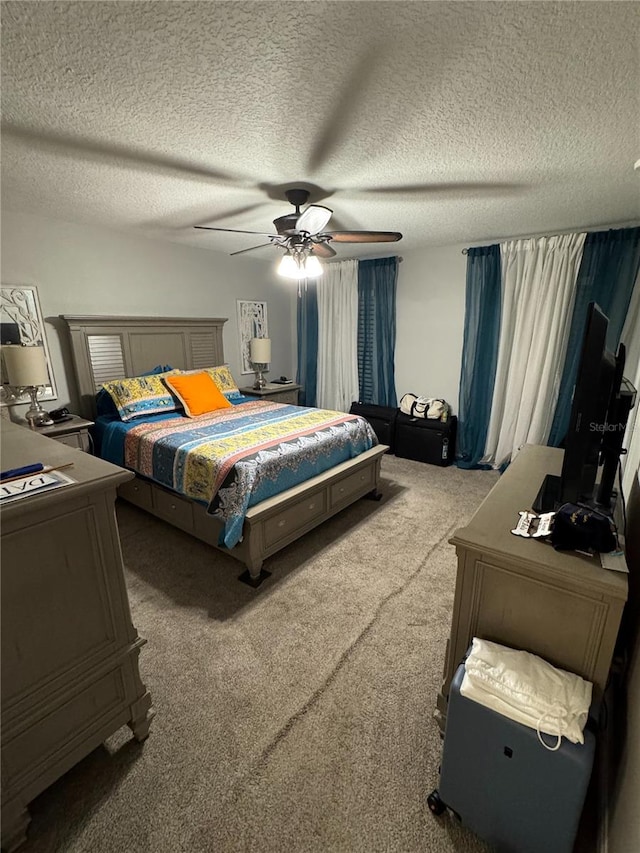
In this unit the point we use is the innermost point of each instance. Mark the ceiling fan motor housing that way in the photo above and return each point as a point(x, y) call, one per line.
point(285, 224)
point(297, 197)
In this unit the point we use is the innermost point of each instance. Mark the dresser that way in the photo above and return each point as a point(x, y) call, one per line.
point(277, 393)
point(523, 593)
point(70, 673)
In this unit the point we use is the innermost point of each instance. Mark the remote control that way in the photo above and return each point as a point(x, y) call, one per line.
point(522, 527)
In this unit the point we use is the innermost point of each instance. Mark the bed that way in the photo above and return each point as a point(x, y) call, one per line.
point(107, 348)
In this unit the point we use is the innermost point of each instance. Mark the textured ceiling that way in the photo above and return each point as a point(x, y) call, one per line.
point(451, 122)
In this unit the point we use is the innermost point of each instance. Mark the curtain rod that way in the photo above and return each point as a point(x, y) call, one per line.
point(595, 229)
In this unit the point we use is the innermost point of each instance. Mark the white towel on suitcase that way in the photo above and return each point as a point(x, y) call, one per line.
point(527, 689)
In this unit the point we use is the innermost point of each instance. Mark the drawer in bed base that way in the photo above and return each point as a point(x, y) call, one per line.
point(175, 509)
point(137, 492)
point(167, 505)
point(349, 488)
point(292, 521)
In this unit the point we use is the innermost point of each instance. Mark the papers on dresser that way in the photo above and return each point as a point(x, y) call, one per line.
point(615, 561)
point(32, 484)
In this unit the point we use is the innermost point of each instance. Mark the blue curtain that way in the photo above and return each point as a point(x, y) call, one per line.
point(608, 270)
point(377, 282)
point(479, 353)
point(307, 322)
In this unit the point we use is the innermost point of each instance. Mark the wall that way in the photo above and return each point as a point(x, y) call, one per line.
point(430, 322)
point(80, 269)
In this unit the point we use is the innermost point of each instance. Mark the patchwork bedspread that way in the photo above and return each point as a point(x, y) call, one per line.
point(234, 458)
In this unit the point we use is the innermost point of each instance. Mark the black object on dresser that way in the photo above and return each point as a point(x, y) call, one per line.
point(426, 440)
point(382, 420)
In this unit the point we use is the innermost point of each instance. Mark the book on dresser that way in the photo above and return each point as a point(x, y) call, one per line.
point(22, 487)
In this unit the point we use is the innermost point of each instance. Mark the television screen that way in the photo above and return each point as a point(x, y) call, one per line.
point(599, 411)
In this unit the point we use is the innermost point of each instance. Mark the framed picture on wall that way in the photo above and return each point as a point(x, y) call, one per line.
point(252, 323)
point(21, 323)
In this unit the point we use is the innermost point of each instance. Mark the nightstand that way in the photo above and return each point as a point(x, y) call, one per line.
point(73, 433)
point(276, 393)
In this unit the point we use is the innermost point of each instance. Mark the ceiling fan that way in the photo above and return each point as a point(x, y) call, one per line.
point(302, 236)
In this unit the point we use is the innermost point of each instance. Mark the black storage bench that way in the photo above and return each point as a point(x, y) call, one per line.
point(426, 440)
point(381, 418)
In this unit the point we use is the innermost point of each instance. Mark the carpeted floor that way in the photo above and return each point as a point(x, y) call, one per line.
point(298, 717)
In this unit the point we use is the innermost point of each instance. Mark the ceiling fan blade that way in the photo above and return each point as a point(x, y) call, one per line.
point(364, 236)
point(438, 189)
point(94, 150)
point(234, 231)
point(261, 246)
point(228, 214)
point(322, 250)
point(313, 218)
point(339, 124)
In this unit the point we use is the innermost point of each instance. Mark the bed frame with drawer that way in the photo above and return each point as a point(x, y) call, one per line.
point(107, 348)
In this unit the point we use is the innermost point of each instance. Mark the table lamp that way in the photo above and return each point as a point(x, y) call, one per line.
point(260, 352)
point(27, 372)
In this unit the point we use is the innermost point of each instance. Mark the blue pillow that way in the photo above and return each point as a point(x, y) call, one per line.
point(159, 368)
point(105, 407)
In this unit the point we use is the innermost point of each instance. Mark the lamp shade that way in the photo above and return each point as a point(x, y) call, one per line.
point(260, 349)
point(25, 365)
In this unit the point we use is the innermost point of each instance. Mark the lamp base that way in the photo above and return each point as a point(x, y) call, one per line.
point(260, 382)
point(37, 418)
point(35, 414)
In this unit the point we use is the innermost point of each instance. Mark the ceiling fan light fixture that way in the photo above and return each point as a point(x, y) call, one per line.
point(313, 267)
point(289, 268)
point(299, 265)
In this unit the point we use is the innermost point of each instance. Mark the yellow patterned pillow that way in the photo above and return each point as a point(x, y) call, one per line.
point(224, 380)
point(142, 395)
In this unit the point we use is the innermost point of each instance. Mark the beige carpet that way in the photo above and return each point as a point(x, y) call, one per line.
point(298, 717)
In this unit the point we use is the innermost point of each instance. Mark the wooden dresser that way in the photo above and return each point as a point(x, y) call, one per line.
point(69, 649)
point(523, 593)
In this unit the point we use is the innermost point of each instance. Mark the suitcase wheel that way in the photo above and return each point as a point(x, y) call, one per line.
point(435, 803)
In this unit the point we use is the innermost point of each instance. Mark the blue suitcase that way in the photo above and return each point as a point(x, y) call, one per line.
point(504, 785)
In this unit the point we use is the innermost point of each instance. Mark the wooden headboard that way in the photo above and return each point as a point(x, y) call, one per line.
point(107, 348)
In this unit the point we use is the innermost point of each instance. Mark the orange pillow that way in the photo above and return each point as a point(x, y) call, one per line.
point(197, 392)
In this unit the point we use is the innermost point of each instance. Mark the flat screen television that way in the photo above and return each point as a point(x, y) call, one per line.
point(602, 400)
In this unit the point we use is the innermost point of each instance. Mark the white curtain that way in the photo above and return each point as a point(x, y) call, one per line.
point(631, 339)
point(338, 336)
point(538, 292)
